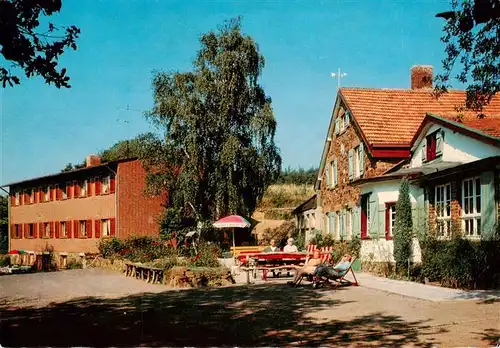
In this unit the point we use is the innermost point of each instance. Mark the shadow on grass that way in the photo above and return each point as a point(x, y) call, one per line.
point(260, 315)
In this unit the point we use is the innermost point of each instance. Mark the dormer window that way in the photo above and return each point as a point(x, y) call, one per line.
point(433, 146)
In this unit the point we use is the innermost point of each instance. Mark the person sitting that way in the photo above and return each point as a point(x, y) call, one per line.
point(308, 268)
point(336, 271)
point(272, 248)
point(289, 247)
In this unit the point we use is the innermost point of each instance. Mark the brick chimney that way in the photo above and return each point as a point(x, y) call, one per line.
point(421, 76)
point(92, 160)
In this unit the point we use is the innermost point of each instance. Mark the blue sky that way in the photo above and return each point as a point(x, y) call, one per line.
point(123, 42)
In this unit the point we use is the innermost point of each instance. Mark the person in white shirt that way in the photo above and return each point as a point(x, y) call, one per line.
point(289, 247)
point(272, 248)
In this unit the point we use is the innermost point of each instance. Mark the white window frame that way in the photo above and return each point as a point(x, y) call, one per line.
point(47, 193)
point(82, 228)
point(63, 229)
point(83, 188)
point(357, 172)
point(471, 221)
point(46, 232)
point(105, 228)
point(443, 209)
point(106, 184)
point(64, 194)
point(17, 198)
point(32, 196)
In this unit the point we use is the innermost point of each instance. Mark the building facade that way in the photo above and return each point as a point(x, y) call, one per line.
point(72, 211)
point(371, 135)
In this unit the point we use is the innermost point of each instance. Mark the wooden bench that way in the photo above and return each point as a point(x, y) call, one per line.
point(150, 274)
point(247, 249)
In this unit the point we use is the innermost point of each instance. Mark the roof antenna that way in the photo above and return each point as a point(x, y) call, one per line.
point(338, 75)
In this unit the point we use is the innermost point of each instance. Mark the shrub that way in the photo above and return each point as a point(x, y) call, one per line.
point(207, 255)
point(73, 264)
point(403, 228)
point(340, 248)
point(461, 263)
point(4, 260)
point(110, 247)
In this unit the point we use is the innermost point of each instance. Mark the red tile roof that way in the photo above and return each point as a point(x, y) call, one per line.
point(391, 116)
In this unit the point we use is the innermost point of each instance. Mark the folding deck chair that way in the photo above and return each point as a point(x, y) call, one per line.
point(326, 256)
point(339, 280)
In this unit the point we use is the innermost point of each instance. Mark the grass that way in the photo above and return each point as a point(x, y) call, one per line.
point(285, 196)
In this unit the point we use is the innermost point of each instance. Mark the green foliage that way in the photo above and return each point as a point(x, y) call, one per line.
point(471, 37)
point(73, 264)
point(4, 260)
point(207, 255)
point(297, 176)
point(4, 223)
point(461, 263)
point(110, 247)
point(280, 233)
point(216, 153)
point(403, 230)
point(126, 148)
point(136, 249)
point(340, 248)
point(71, 166)
point(35, 53)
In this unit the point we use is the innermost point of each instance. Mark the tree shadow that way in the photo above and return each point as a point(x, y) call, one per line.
point(260, 315)
point(491, 337)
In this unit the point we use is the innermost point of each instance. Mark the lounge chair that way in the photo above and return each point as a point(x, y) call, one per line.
point(339, 278)
point(326, 257)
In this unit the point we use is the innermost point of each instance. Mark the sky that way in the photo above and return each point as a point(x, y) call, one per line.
point(123, 42)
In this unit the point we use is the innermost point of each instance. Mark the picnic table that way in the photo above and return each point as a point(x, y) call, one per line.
point(266, 262)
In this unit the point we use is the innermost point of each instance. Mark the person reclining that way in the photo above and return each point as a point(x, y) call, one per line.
point(308, 268)
point(336, 271)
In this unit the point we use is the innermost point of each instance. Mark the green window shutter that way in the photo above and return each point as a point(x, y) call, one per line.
point(335, 173)
point(373, 217)
point(424, 149)
point(356, 230)
point(439, 143)
point(337, 130)
point(347, 118)
point(351, 164)
point(488, 205)
point(361, 159)
point(342, 224)
point(327, 175)
point(331, 221)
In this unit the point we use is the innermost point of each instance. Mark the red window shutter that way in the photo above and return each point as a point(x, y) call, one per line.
point(387, 219)
point(90, 187)
point(25, 230)
point(13, 231)
point(52, 229)
point(112, 227)
point(27, 198)
point(76, 189)
point(13, 199)
point(68, 190)
point(69, 229)
point(88, 227)
point(112, 184)
point(35, 230)
point(97, 230)
point(97, 186)
point(41, 229)
point(76, 229)
point(57, 228)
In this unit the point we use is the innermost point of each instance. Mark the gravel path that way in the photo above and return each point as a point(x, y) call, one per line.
point(95, 307)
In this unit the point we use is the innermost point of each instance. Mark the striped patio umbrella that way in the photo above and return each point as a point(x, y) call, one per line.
point(232, 221)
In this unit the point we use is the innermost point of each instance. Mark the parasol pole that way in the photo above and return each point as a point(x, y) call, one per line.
point(234, 244)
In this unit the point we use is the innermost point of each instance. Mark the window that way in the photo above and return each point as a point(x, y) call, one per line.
point(471, 207)
point(443, 210)
point(64, 191)
point(47, 194)
point(349, 223)
point(331, 224)
point(46, 230)
point(17, 200)
point(431, 147)
point(63, 229)
point(105, 228)
point(334, 173)
point(365, 215)
point(18, 232)
point(31, 230)
point(32, 196)
point(106, 184)
point(82, 228)
point(83, 189)
point(390, 219)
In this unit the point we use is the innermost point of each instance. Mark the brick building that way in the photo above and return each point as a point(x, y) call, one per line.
point(371, 133)
point(72, 211)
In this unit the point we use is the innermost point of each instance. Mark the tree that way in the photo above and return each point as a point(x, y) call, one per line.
point(126, 148)
point(36, 53)
point(71, 166)
point(403, 230)
point(4, 223)
point(216, 154)
point(471, 35)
